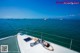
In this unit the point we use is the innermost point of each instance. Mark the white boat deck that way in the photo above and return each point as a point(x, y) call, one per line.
point(25, 47)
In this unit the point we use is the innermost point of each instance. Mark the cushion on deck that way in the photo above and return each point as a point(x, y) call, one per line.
point(27, 39)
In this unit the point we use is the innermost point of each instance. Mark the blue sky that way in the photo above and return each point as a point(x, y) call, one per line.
point(38, 9)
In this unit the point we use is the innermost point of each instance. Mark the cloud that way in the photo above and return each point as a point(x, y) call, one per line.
point(12, 12)
point(72, 15)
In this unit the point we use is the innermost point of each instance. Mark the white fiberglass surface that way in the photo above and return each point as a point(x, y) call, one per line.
point(26, 48)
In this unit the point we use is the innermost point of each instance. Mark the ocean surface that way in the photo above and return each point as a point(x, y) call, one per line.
point(58, 31)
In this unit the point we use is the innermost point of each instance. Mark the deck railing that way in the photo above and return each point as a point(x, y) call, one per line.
point(63, 41)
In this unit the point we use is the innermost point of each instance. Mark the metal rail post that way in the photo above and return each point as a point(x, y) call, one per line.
point(71, 43)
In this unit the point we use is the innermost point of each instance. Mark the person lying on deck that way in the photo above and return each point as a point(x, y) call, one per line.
point(43, 43)
point(47, 46)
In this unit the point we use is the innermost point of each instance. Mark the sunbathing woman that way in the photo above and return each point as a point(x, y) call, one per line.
point(43, 43)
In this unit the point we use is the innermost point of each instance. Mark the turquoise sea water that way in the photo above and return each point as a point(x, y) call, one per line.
point(54, 30)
